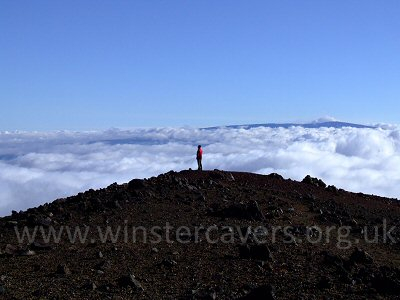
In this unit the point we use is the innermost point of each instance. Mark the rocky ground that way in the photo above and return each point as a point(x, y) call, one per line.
point(204, 235)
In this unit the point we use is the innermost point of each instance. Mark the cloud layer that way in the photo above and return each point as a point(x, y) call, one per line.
point(38, 167)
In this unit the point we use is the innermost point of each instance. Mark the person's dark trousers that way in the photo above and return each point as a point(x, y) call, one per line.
point(199, 166)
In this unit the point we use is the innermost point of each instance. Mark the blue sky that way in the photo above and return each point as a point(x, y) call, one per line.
point(99, 64)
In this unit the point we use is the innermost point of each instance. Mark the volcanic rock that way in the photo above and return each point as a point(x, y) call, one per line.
point(314, 181)
point(360, 256)
point(265, 292)
point(256, 251)
point(130, 280)
point(63, 269)
point(250, 211)
point(203, 235)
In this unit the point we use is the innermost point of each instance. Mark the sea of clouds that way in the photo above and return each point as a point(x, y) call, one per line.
point(38, 167)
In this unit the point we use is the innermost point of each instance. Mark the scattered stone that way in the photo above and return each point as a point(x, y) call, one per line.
point(11, 224)
point(115, 204)
point(135, 184)
point(185, 237)
point(346, 278)
point(106, 288)
point(324, 283)
point(314, 181)
point(332, 189)
point(204, 294)
point(38, 220)
point(228, 229)
point(256, 251)
point(174, 199)
point(10, 249)
point(130, 280)
point(37, 267)
point(104, 265)
point(249, 211)
point(40, 246)
point(91, 286)
point(216, 174)
point(38, 293)
point(360, 256)
point(331, 259)
point(169, 262)
point(2, 290)
point(386, 285)
point(26, 252)
point(112, 187)
point(275, 176)
point(230, 177)
point(264, 265)
point(264, 292)
point(63, 269)
point(201, 198)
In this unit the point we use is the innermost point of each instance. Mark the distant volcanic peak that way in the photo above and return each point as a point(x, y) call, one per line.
point(320, 123)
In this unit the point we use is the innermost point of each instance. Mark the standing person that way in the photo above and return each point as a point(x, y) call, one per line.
point(199, 156)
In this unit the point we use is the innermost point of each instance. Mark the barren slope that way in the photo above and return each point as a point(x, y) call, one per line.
point(245, 236)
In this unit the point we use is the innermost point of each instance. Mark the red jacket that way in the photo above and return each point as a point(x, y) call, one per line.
point(200, 153)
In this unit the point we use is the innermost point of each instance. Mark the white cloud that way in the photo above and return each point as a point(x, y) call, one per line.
point(325, 119)
point(39, 167)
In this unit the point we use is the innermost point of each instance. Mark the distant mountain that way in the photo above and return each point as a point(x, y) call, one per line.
point(334, 124)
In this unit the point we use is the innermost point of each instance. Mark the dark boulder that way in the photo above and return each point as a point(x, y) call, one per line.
point(265, 292)
point(314, 181)
point(2, 290)
point(386, 285)
point(275, 176)
point(250, 211)
point(255, 251)
point(332, 189)
point(63, 269)
point(136, 184)
point(360, 256)
point(130, 280)
point(324, 283)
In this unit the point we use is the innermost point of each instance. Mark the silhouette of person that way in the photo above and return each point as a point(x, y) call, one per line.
point(199, 156)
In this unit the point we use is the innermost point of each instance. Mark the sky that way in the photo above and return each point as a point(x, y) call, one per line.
point(94, 65)
point(96, 92)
